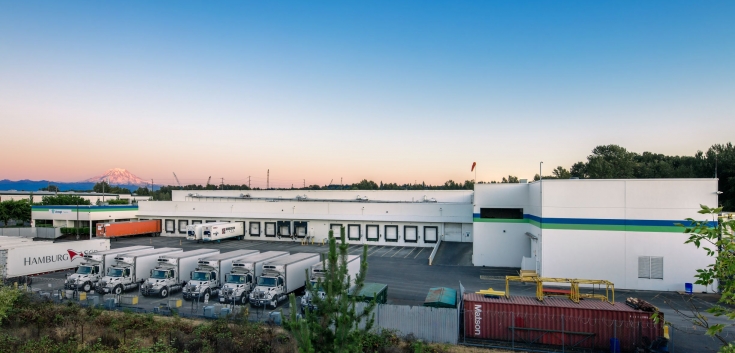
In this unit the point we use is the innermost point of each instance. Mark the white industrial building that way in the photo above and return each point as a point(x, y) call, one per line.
point(37, 196)
point(618, 230)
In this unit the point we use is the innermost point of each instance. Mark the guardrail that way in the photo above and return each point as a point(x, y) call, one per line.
point(436, 248)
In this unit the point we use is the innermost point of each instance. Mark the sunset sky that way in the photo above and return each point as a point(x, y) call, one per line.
point(394, 91)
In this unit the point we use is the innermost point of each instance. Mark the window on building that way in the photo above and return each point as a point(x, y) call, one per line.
point(504, 213)
point(651, 267)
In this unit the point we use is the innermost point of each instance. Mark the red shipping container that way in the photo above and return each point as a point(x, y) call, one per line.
point(124, 229)
point(591, 324)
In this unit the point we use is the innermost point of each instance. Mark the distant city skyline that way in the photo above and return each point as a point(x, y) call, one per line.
point(398, 92)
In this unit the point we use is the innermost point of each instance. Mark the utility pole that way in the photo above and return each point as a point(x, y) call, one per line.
point(103, 190)
point(304, 183)
point(222, 183)
point(151, 185)
point(249, 181)
point(268, 180)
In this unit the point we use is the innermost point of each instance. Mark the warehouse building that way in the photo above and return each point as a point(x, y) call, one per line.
point(618, 230)
point(37, 196)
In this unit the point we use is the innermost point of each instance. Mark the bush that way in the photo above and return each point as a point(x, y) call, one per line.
point(118, 202)
point(72, 230)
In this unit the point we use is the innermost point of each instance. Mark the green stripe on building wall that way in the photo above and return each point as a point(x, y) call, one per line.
point(614, 228)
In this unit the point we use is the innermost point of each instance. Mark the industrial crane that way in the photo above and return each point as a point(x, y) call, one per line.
point(177, 179)
point(208, 180)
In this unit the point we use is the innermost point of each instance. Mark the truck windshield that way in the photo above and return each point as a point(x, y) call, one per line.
point(115, 272)
point(314, 285)
point(84, 270)
point(267, 282)
point(200, 276)
point(191, 232)
point(159, 274)
point(237, 279)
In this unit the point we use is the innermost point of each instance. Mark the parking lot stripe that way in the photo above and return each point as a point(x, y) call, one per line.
point(419, 253)
point(409, 253)
point(399, 250)
point(374, 251)
point(392, 248)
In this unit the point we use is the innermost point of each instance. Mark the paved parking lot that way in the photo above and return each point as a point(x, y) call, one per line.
point(408, 275)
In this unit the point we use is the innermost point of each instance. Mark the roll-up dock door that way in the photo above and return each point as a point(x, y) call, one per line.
point(284, 228)
point(336, 230)
point(410, 234)
point(371, 232)
point(170, 226)
point(254, 229)
point(270, 229)
point(452, 232)
point(430, 234)
point(183, 224)
point(391, 233)
point(300, 229)
point(353, 232)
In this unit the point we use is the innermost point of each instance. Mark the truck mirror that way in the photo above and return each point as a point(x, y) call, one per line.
point(191, 274)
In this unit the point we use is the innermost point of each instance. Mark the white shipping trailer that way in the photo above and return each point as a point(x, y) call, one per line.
point(38, 257)
point(220, 231)
point(281, 277)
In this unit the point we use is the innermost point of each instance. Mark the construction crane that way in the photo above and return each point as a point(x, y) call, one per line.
point(208, 180)
point(177, 179)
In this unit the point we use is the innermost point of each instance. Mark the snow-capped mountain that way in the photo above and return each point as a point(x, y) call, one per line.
point(118, 176)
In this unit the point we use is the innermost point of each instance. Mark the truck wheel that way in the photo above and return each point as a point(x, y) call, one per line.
point(244, 299)
point(164, 292)
point(87, 287)
point(117, 290)
point(205, 297)
point(274, 303)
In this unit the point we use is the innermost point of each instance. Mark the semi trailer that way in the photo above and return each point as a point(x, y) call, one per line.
point(318, 271)
point(39, 257)
point(244, 275)
point(171, 273)
point(95, 265)
point(208, 277)
point(281, 277)
point(220, 231)
point(126, 229)
point(194, 232)
point(130, 270)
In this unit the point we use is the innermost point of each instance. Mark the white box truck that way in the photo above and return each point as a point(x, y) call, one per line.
point(281, 277)
point(244, 275)
point(39, 257)
point(130, 270)
point(220, 231)
point(172, 272)
point(194, 232)
point(209, 275)
point(95, 265)
point(318, 271)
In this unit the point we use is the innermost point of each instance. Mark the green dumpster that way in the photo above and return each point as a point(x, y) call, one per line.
point(441, 297)
point(378, 291)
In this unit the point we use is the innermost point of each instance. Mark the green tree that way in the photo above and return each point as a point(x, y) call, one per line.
point(365, 185)
point(561, 173)
point(510, 179)
point(334, 325)
point(611, 162)
point(64, 199)
point(52, 188)
point(719, 243)
point(16, 210)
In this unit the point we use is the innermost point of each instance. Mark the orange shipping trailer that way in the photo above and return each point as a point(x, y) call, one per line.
point(124, 229)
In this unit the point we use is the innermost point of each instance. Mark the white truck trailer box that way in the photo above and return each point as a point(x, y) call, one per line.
point(194, 232)
point(317, 271)
point(38, 257)
point(173, 271)
point(220, 231)
point(281, 277)
point(244, 276)
point(130, 270)
point(95, 265)
point(209, 275)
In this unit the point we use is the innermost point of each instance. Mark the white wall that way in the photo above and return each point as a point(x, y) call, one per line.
point(463, 196)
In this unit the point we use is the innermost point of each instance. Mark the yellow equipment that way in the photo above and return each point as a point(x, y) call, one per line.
point(492, 292)
point(574, 283)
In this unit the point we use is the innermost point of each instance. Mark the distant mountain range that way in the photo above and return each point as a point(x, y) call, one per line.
point(115, 176)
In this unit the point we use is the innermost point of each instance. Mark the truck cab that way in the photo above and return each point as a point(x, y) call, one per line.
point(161, 281)
point(118, 279)
point(203, 283)
point(270, 288)
point(85, 277)
point(237, 287)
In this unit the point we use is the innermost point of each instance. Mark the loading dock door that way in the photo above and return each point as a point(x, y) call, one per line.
point(336, 230)
point(452, 232)
point(170, 226)
point(254, 229)
point(410, 234)
point(430, 234)
point(391, 233)
point(270, 229)
point(372, 232)
point(353, 231)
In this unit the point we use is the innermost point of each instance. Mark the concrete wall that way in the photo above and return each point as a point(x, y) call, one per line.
point(500, 244)
point(463, 196)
